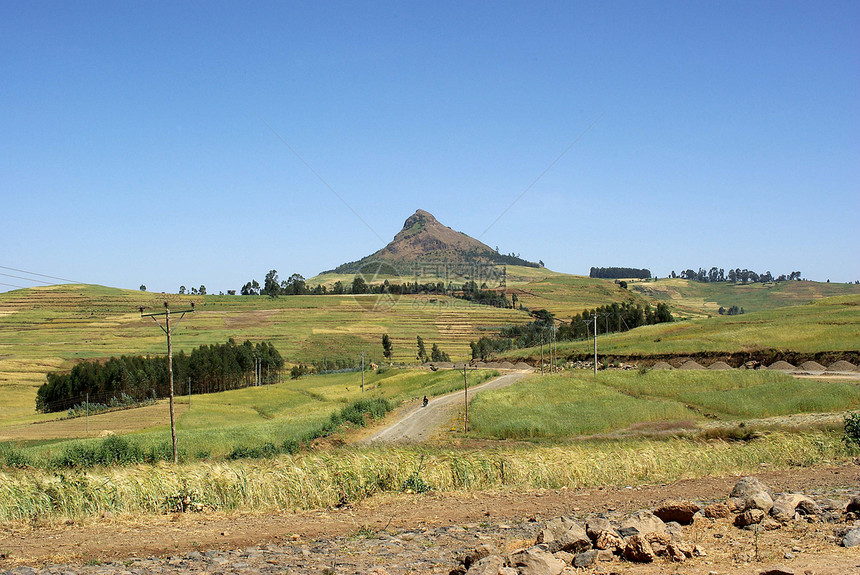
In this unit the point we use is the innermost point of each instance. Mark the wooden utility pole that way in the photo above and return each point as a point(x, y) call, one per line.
point(166, 329)
point(465, 400)
point(362, 372)
point(594, 318)
point(541, 353)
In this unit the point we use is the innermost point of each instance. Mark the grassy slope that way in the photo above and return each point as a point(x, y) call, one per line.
point(830, 324)
point(704, 299)
point(565, 406)
point(216, 423)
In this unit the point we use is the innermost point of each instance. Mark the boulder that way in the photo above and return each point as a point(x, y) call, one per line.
point(852, 538)
point(680, 511)
point(659, 541)
point(585, 559)
point(563, 534)
point(747, 486)
point(641, 523)
point(678, 551)
point(480, 552)
point(717, 511)
point(854, 505)
point(489, 565)
point(786, 505)
point(610, 540)
point(759, 500)
point(749, 517)
point(638, 550)
point(536, 561)
point(596, 525)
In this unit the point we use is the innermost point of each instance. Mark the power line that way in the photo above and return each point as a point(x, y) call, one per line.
point(25, 279)
point(12, 285)
point(40, 275)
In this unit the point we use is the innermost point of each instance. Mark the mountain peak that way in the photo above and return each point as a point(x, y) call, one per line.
point(424, 239)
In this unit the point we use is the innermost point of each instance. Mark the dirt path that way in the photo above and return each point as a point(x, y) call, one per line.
point(421, 423)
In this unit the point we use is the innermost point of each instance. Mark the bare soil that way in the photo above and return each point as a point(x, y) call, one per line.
point(810, 546)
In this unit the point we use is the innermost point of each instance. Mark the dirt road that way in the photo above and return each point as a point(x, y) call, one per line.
point(421, 423)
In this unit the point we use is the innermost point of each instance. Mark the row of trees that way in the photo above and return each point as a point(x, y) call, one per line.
point(618, 273)
point(436, 354)
point(211, 368)
point(609, 318)
point(736, 275)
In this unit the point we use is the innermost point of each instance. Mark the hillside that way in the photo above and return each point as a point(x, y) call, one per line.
point(423, 240)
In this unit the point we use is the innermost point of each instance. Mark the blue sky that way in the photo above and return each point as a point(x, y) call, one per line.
point(153, 143)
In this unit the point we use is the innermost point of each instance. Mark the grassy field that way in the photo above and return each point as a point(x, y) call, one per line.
point(213, 425)
point(829, 324)
point(48, 329)
point(564, 406)
point(696, 299)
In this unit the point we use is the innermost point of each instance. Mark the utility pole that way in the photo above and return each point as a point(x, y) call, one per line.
point(595, 344)
point(166, 329)
point(541, 352)
point(362, 372)
point(465, 400)
point(189, 392)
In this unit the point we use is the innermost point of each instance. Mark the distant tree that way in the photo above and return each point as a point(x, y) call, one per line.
point(143, 287)
point(337, 288)
point(297, 371)
point(359, 286)
point(422, 351)
point(194, 291)
point(437, 354)
point(181, 290)
point(251, 288)
point(722, 310)
point(202, 290)
point(296, 285)
point(386, 346)
point(270, 284)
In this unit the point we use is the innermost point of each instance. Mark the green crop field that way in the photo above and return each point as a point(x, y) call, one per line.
point(566, 406)
point(829, 324)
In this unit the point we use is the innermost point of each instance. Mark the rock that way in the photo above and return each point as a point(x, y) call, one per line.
point(659, 540)
point(717, 511)
point(678, 551)
point(585, 559)
point(597, 525)
point(638, 550)
point(777, 570)
point(481, 551)
point(852, 538)
point(680, 511)
point(489, 565)
point(853, 505)
point(536, 561)
point(609, 540)
point(735, 504)
point(785, 506)
point(674, 529)
point(749, 517)
point(605, 555)
point(746, 487)
point(808, 507)
point(759, 500)
point(564, 557)
point(563, 534)
point(643, 522)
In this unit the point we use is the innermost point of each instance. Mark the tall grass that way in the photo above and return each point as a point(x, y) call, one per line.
point(318, 480)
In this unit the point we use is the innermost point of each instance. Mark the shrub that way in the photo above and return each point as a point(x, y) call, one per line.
point(852, 429)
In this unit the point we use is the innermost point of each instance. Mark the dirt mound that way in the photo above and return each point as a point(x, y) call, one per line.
point(493, 365)
point(812, 366)
point(522, 365)
point(691, 365)
point(781, 365)
point(842, 365)
point(506, 365)
point(661, 365)
point(720, 365)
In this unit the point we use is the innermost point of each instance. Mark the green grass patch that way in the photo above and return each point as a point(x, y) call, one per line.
point(563, 406)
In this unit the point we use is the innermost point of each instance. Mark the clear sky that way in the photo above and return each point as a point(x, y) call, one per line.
point(189, 143)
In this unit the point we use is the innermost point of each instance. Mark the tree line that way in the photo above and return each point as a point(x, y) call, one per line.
point(613, 273)
point(211, 368)
point(609, 318)
point(736, 275)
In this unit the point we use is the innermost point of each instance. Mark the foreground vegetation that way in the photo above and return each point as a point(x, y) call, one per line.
point(329, 478)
